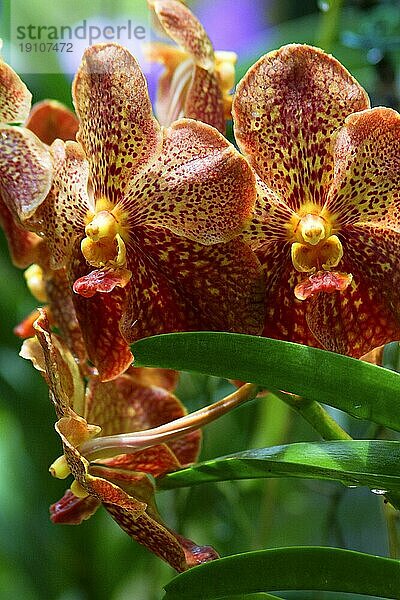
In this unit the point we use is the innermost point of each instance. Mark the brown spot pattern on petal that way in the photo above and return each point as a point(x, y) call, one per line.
point(204, 99)
point(22, 244)
point(117, 129)
point(207, 281)
point(152, 534)
point(352, 322)
point(60, 218)
point(285, 110)
point(183, 27)
point(270, 220)
point(366, 183)
point(99, 318)
point(15, 98)
point(25, 170)
point(199, 187)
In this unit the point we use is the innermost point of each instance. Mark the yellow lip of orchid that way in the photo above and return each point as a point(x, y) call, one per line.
point(106, 233)
point(313, 245)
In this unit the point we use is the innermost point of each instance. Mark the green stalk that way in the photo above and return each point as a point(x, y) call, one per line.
point(329, 24)
point(316, 415)
point(392, 519)
point(328, 429)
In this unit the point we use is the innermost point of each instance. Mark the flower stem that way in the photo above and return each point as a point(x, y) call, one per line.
point(328, 429)
point(125, 443)
point(316, 415)
point(392, 519)
point(329, 24)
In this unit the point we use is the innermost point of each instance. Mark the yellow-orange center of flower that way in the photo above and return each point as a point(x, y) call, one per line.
point(225, 70)
point(106, 232)
point(313, 246)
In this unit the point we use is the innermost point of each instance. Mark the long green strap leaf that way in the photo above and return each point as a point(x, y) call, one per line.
point(296, 568)
point(358, 388)
point(373, 463)
point(391, 356)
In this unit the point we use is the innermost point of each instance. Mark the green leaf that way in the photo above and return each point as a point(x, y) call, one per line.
point(373, 463)
point(296, 568)
point(358, 388)
point(391, 356)
point(256, 596)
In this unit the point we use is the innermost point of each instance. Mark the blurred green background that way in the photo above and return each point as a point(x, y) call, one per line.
point(97, 561)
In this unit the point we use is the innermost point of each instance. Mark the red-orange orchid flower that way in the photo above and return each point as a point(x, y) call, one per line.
point(50, 120)
point(129, 403)
point(327, 224)
point(152, 241)
point(46, 121)
point(15, 104)
point(197, 81)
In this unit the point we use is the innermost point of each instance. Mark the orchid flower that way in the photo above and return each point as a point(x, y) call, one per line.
point(145, 219)
point(15, 104)
point(197, 81)
point(326, 226)
point(132, 402)
point(50, 120)
point(46, 121)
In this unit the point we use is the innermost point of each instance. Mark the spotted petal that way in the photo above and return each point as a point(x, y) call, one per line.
point(59, 294)
point(204, 100)
point(137, 518)
point(118, 132)
point(25, 170)
point(128, 497)
point(51, 357)
point(270, 219)
point(15, 98)
point(200, 187)
point(182, 26)
point(23, 245)
point(61, 217)
point(352, 322)
point(367, 314)
point(164, 378)
point(99, 317)
point(125, 405)
point(179, 552)
point(375, 252)
point(285, 110)
point(285, 316)
point(50, 120)
point(366, 184)
point(182, 286)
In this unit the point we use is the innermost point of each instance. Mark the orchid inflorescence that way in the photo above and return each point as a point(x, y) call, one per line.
point(133, 226)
